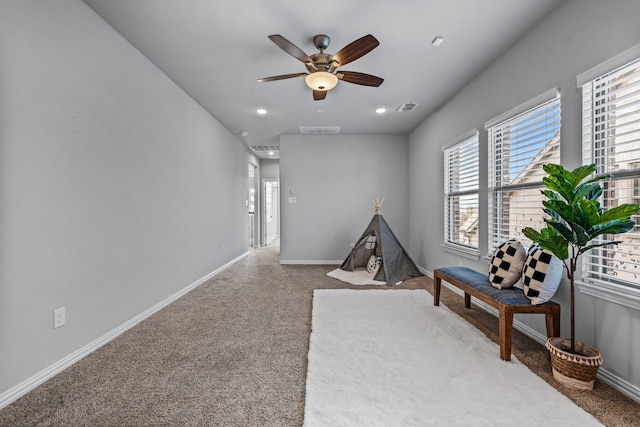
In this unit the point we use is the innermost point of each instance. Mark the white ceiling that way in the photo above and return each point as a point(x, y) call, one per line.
point(215, 50)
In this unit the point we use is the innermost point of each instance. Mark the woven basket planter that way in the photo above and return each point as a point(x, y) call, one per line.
point(577, 371)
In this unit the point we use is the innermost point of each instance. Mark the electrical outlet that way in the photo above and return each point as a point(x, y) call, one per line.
point(224, 249)
point(59, 317)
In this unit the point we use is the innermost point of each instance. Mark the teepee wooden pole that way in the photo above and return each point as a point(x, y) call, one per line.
point(377, 204)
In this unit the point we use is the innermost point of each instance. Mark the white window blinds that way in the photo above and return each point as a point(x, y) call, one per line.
point(611, 140)
point(518, 147)
point(461, 183)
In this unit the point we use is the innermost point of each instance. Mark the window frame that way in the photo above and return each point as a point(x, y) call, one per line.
point(616, 291)
point(471, 138)
point(496, 185)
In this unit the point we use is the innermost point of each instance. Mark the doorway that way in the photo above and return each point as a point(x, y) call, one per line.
point(271, 188)
point(252, 202)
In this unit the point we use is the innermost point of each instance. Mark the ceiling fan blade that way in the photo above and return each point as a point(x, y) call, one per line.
point(281, 77)
point(319, 95)
point(290, 48)
point(356, 49)
point(360, 78)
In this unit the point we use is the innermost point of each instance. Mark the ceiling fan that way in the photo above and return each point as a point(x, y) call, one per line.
point(323, 69)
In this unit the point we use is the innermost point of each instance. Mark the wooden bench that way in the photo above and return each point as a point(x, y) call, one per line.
point(507, 301)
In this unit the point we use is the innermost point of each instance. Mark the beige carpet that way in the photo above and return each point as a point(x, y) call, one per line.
point(233, 352)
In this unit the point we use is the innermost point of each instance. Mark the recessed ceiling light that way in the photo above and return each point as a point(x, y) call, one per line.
point(437, 41)
point(271, 153)
point(244, 133)
point(381, 110)
point(261, 111)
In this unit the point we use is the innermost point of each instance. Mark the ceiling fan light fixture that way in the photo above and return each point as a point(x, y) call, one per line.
point(321, 80)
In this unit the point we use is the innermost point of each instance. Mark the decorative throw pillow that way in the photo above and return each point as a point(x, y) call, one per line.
point(374, 264)
point(506, 264)
point(541, 275)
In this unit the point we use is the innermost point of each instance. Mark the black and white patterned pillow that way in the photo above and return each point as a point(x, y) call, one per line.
point(541, 275)
point(373, 264)
point(506, 264)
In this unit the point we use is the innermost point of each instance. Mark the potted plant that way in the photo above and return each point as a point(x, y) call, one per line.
point(575, 219)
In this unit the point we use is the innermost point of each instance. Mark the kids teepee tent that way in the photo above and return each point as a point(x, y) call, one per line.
point(378, 240)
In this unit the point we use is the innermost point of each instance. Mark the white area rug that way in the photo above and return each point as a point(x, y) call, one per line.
point(355, 277)
point(391, 358)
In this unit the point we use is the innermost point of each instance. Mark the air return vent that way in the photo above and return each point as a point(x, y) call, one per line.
point(407, 107)
point(265, 148)
point(319, 130)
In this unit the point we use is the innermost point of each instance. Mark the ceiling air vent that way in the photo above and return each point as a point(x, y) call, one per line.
point(265, 148)
point(410, 106)
point(319, 130)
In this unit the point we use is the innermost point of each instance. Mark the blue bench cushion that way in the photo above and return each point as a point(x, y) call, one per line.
point(480, 282)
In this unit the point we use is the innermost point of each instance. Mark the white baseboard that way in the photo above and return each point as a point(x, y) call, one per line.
point(312, 262)
point(620, 384)
point(26, 386)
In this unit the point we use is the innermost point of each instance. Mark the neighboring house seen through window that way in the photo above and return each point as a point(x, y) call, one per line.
point(461, 183)
point(521, 141)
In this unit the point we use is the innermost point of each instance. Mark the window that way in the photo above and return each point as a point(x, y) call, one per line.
point(636, 200)
point(461, 184)
point(611, 140)
point(520, 142)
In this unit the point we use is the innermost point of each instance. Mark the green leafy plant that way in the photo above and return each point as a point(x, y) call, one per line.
point(576, 218)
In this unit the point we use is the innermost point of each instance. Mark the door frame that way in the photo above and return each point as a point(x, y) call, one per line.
point(254, 220)
point(276, 205)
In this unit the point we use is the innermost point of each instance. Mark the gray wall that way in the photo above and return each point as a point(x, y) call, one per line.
point(333, 178)
point(577, 36)
point(270, 169)
point(117, 190)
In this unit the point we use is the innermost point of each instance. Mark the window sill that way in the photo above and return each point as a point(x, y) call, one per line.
point(465, 252)
point(623, 295)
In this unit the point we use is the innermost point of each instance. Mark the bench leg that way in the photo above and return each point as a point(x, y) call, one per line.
point(553, 322)
point(437, 283)
point(467, 300)
point(505, 329)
